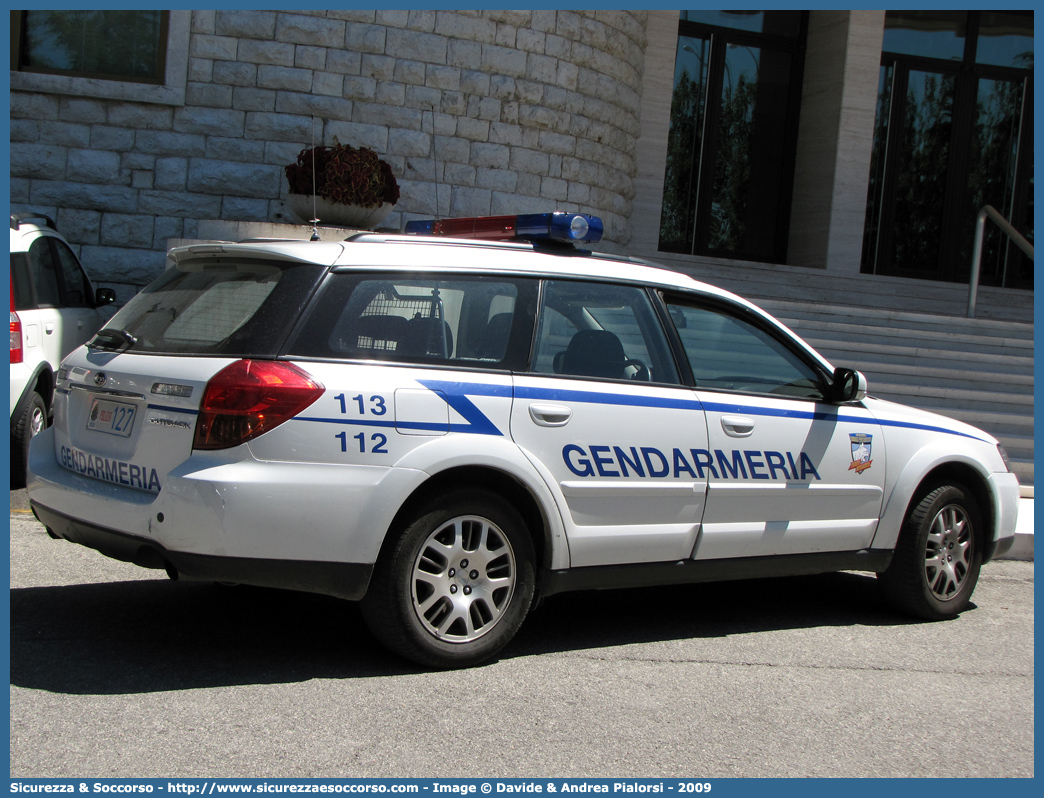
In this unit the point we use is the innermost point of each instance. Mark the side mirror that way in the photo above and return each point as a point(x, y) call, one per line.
point(848, 385)
point(104, 296)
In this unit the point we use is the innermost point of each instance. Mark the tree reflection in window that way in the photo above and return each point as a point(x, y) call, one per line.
point(114, 45)
point(954, 133)
point(731, 141)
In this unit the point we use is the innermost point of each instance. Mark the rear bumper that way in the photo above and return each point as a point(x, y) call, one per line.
point(344, 580)
point(229, 517)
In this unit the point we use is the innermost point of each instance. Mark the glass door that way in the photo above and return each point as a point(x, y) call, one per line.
point(954, 133)
point(733, 132)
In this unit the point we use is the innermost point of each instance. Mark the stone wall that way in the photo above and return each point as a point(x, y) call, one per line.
point(489, 111)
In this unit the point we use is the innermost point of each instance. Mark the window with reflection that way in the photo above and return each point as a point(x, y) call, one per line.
point(727, 353)
point(601, 331)
point(928, 34)
point(109, 45)
point(733, 134)
point(953, 133)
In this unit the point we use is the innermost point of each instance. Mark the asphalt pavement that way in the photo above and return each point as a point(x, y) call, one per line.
point(118, 672)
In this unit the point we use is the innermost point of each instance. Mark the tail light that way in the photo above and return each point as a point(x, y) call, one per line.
point(16, 330)
point(249, 398)
point(16, 338)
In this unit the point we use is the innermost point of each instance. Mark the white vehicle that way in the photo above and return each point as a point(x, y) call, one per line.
point(448, 430)
point(54, 309)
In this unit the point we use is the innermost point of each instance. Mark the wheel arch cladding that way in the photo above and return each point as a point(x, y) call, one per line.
point(44, 385)
point(931, 466)
point(42, 382)
point(968, 477)
point(496, 482)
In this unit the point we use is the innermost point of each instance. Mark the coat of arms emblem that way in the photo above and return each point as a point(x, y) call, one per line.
point(861, 443)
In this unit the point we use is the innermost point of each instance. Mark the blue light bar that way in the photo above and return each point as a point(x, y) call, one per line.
point(421, 227)
point(571, 228)
point(574, 228)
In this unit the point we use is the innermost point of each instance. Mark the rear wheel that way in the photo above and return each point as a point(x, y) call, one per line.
point(456, 584)
point(938, 556)
point(31, 422)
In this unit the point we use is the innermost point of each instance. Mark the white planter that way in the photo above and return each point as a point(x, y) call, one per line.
point(301, 207)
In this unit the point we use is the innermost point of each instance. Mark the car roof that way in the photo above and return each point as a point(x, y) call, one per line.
point(418, 254)
point(422, 253)
point(26, 226)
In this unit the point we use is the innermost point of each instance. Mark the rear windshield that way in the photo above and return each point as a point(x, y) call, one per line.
point(228, 308)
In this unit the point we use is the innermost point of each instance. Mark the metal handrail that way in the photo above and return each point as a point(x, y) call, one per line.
point(980, 234)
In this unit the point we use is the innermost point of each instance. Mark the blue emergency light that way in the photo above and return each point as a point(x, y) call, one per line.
point(571, 228)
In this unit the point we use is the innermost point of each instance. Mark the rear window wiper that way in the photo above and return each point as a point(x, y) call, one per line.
point(112, 339)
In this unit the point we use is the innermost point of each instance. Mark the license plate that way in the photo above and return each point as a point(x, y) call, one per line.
point(114, 418)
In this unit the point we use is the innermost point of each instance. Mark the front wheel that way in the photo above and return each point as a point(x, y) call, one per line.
point(938, 556)
point(455, 586)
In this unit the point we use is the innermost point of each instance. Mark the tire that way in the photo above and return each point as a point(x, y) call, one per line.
point(455, 584)
point(937, 559)
point(30, 422)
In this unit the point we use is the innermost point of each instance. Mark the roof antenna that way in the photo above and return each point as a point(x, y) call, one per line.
point(435, 158)
point(315, 219)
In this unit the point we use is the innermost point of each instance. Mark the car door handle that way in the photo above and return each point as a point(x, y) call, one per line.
point(550, 415)
point(737, 426)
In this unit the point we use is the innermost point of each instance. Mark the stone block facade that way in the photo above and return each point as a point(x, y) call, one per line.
point(488, 111)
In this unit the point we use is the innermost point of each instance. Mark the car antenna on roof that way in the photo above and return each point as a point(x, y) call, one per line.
point(435, 160)
point(314, 220)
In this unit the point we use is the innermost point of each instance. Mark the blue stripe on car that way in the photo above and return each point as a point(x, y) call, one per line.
point(457, 393)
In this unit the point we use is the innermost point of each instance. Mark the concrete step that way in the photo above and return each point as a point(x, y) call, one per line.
point(928, 340)
point(954, 398)
point(1017, 446)
point(870, 319)
point(996, 423)
point(1023, 469)
point(895, 352)
point(764, 283)
point(1023, 548)
point(900, 374)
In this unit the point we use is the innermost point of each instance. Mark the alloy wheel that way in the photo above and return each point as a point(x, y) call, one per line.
point(462, 579)
point(948, 552)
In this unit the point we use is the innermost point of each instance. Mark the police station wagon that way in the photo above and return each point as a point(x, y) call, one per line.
point(448, 429)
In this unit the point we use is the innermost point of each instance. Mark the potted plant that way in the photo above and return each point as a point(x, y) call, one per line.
point(341, 185)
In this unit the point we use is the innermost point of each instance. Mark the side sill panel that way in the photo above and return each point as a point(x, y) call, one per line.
point(607, 577)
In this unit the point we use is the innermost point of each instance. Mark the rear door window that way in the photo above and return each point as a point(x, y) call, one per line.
point(44, 270)
point(602, 331)
point(436, 319)
point(76, 286)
